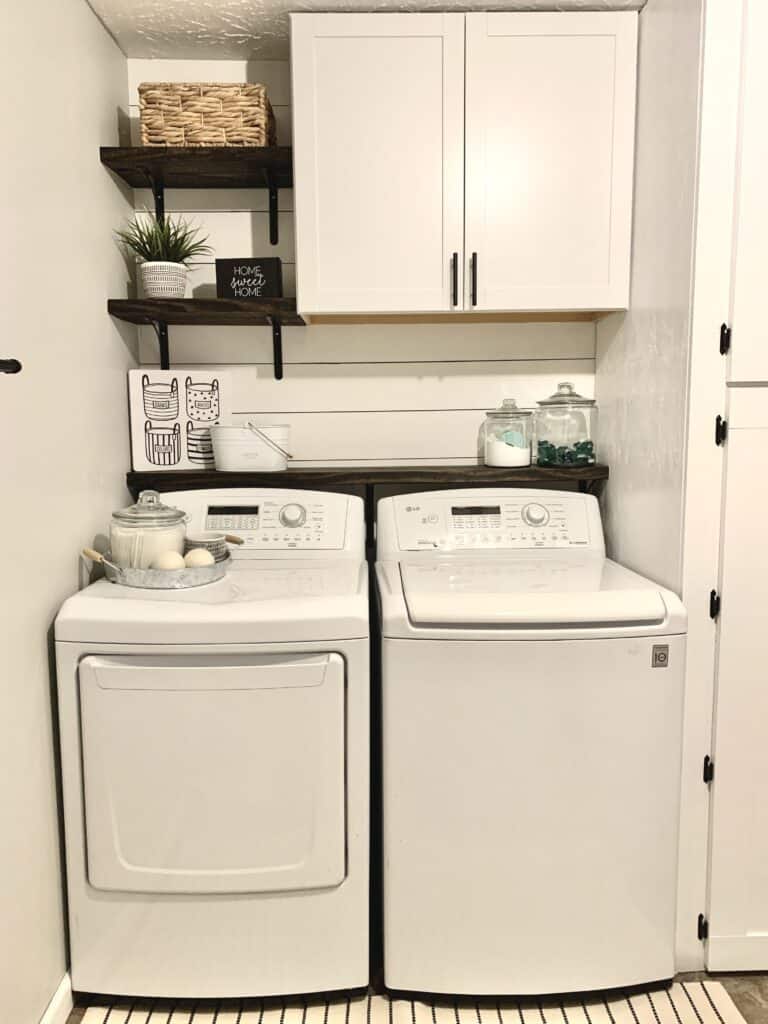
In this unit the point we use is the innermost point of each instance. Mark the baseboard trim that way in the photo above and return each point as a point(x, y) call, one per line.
point(61, 1004)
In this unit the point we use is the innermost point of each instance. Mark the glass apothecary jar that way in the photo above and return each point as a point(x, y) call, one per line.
point(566, 424)
point(506, 435)
point(141, 532)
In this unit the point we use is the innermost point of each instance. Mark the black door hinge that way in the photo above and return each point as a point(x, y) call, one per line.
point(725, 339)
point(714, 604)
point(702, 928)
point(721, 430)
point(709, 769)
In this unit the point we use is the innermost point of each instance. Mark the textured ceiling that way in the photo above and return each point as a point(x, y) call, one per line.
point(258, 29)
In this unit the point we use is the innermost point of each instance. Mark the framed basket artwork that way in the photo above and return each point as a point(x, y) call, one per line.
point(171, 413)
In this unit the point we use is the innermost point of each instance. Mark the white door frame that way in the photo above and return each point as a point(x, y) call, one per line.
point(718, 106)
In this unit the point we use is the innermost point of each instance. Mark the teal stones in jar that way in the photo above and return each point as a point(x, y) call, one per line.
point(582, 453)
point(565, 427)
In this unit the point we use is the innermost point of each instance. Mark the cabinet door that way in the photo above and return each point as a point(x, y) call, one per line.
point(550, 122)
point(378, 111)
point(738, 887)
point(749, 356)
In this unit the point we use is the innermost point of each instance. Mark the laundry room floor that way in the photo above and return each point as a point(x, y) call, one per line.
point(748, 991)
point(688, 1002)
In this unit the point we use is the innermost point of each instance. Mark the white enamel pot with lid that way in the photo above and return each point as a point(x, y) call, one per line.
point(141, 532)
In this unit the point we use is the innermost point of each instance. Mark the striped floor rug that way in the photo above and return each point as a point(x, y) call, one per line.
point(689, 1003)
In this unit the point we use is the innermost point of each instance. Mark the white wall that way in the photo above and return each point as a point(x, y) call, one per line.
point(353, 393)
point(660, 378)
point(642, 356)
point(64, 430)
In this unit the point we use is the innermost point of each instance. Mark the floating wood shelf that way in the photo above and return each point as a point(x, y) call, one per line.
point(162, 167)
point(201, 166)
point(210, 313)
point(206, 312)
point(327, 478)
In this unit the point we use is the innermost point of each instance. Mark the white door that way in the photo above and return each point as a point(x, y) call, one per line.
point(213, 775)
point(749, 354)
point(738, 895)
point(550, 122)
point(378, 116)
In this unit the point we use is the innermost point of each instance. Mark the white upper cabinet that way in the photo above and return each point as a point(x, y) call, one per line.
point(550, 125)
point(749, 354)
point(378, 123)
point(384, 134)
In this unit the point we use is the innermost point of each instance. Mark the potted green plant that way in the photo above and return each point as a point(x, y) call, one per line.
point(163, 248)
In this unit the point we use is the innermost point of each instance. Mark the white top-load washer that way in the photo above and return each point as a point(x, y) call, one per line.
point(531, 714)
point(215, 762)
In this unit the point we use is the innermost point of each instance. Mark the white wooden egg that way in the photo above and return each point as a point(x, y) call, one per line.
point(198, 558)
point(168, 560)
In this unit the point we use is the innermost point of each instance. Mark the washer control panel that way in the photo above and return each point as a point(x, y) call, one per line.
point(432, 521)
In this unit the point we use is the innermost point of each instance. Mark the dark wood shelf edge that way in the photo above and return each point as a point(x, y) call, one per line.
point(206, 312)
point(201, 166)
point(328, 477)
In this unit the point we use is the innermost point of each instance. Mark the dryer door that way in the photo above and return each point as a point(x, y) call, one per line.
point(208, 775)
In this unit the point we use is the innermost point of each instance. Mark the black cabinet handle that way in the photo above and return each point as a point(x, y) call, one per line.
point(455, 279)
point(473, 279)
point(10, 366)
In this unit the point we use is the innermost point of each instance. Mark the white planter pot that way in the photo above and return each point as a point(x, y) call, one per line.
point(163, 280)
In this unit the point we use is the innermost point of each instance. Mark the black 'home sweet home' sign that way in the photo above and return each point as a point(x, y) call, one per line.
point(249, 278)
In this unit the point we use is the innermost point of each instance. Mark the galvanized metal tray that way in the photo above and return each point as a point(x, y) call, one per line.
point(160, 579)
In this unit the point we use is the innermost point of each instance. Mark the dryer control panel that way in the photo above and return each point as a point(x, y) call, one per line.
point(511, 519)
point(277, 522)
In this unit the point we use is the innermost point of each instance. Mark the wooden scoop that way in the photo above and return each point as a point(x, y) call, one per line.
point(96, 556)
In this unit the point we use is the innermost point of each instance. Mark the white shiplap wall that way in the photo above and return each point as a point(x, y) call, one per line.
point(358, 393)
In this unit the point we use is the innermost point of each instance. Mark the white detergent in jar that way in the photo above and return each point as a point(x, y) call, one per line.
point(503, 453)
point(138, 534)
point(137, 548)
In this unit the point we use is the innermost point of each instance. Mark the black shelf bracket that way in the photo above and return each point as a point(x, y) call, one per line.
point(10, 366)
point(161, 330)
point(158, 194)
point(274, 233)
point(277, 346)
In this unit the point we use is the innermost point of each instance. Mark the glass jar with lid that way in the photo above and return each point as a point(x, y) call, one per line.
point(566, 423)
point(141, 532)
point(506, 435)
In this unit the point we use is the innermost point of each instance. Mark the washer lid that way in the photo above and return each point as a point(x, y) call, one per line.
point(528, 592)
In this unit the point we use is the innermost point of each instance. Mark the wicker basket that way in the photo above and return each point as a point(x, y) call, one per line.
point(205, 114)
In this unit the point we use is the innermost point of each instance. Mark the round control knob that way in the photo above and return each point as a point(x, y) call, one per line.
point(293, 515)
point(535, 515)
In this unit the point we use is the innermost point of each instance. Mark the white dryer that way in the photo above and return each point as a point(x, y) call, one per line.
point(532, 715)
point(215, 751)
